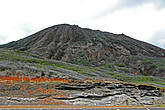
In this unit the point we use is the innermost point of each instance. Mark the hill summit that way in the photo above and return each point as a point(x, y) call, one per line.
point(71, 43)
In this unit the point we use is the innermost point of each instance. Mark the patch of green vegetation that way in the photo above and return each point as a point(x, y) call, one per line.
point(137, 79)
point(89, 69)
point(119, 65)
point(14, 55)
point(126, 70)
point(160, 105)
point(19, 52)
point(108, 67)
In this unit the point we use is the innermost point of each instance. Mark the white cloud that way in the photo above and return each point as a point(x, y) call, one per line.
point(2, 39)
point(20, 18)
point(158, 38)
point(39, 14)
point(140, 22)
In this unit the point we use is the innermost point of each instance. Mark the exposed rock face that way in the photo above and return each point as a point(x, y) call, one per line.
point(72, 44)
point(75, 92)
point(112, 94)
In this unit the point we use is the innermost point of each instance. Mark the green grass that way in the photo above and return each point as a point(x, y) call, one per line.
point(137, 79)
point(160, 105)
point(16, 56)
point(126, 70)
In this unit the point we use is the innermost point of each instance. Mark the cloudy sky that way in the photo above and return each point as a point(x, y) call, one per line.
point(141, 19)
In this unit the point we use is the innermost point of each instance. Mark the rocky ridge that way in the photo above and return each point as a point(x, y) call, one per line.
point(73, 44)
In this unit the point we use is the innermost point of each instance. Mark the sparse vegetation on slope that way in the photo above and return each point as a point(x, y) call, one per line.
point(114, 70)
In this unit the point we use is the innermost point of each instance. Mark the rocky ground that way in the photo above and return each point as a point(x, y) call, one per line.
point(17, 90)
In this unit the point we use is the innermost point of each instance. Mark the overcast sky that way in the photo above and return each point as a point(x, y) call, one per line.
point(141, 19)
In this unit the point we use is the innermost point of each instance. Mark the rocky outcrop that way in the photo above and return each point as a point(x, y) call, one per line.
point(112, 94)
point(76, 92)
